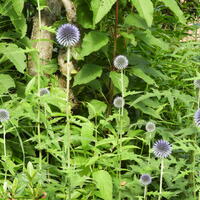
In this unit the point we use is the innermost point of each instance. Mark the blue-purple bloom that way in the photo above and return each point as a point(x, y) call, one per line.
point(162, 149)
point(68, 35)
point(4, 115)
point(121, 62)
point(44, 91)
point(197, 118)
point(119, 102)
point(145, 179)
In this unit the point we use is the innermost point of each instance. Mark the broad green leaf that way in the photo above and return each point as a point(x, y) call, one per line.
point(135, 20)
point(87, 134)
point(96, 108)
point(30, 169)
point(145, 10)
point(93, 41)
point(100, 8)
point(137, 71)
point(18, 6)
point(173, 6)
point(6, 82)
point(149, 39)
point(104, 184)
point(129, 36)
point(116, 79)
point(14, 54)
point(88, 73)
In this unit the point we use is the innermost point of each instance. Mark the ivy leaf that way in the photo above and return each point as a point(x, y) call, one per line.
point(6, 82)
point(104, 184)
point(92, 42)
point(88, 73)
point(145, 10)
point(173, 6)
point(100, 8)
point(15, 54)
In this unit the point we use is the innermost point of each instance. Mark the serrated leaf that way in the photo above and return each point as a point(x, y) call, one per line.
point(104, 184)
point(173, 6)
point(93, 41)
point(145, 10)
point(100, 8)
point(88, 73)
point(6, 82)
point(14, 54)
point(116, 79)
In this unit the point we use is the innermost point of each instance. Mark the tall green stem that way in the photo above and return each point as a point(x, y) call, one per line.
point(38, 84)
point(161, 178)
point(68, 119)
point(145, 192)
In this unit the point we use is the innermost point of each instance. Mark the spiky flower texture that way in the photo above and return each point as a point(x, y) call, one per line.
point(121, 62)
point(197, 118)
point(44, 91)
point(119, 102)
point(150, 127)
point(4, 115)
point(145, 179)
point(197, 83)
point(162, 149)
point(68, 35)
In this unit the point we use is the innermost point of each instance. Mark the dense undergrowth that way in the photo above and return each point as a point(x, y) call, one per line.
point(87, 148)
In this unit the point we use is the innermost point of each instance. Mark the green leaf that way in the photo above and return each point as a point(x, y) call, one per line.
point(6, 82)
point(14, 54)
point(100, 8)
point(87, 134)
point(173, 6)
point(129, 36)
point(137, 71)
point(104, 184)
point(135, 20)
point(149, 39)
point(96, 108)
point(145, 10)
point(18, 6)
point(116, 79)
point(92, 42)
point(88, 73)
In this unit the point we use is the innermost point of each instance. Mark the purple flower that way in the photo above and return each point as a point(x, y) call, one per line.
point(197, 118)
point(4, 115)
point(162, 149)
point(121, 62)
point(68, 35)
point(145, 179)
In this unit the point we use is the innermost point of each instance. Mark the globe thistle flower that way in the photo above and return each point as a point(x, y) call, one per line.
point(44, 91)
point(4, 115)
point(197, 118)
point(150, 127)
point(145, 179)
point(119, 102)
point(121, 62)
point(68, 35)
point(162, 149)
point(197, 83)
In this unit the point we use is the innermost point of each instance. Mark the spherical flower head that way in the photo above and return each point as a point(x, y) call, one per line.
point(145, 179)
point(121, 62)
point(197, 83)
point(4, 115)
point(197, 118)
point(150, 127)
point(119, 102)
point(162, 149)
point(44, 91)
point(68, 35)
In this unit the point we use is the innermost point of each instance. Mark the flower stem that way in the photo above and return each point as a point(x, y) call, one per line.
point(145, 192)
point(161, 178)
point(68, 121)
